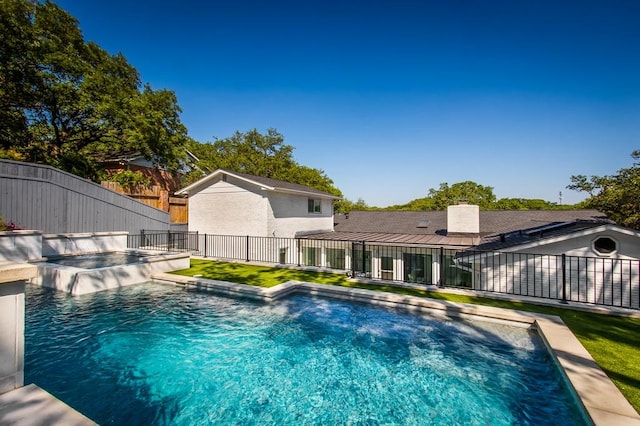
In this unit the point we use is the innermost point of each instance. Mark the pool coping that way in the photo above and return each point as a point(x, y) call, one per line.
point(601, 399)
point(31, 405)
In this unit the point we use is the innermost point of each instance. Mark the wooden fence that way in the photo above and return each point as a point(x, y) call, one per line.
point(154, 196)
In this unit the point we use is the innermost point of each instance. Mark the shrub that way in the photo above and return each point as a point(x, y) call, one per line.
point(130, 180)
point(8, 226)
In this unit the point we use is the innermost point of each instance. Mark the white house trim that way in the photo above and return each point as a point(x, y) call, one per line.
point(209, 178)
point(582, 233)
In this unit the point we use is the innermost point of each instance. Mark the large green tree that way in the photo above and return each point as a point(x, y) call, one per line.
point(618, 195)
point(258, 154)
point(469, 191)
point(68, 103)
point(446, 195)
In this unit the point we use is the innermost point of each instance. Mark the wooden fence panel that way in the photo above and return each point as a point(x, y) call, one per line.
point(179, 210)
point(155, 196)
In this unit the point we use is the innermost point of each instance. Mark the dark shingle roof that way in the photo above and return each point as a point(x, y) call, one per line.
point(258, 180)
point(279, 184)
point(429, 227)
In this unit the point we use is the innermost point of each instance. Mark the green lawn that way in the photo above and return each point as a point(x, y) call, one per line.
point(614, 342)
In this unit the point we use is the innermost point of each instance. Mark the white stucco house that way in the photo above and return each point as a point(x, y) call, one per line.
point(542, 253)
point(531, 252)
point(231, 203)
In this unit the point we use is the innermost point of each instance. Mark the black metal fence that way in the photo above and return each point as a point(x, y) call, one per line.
point(602, 281)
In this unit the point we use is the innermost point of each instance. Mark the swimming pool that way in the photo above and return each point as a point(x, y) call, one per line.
point(158, 354)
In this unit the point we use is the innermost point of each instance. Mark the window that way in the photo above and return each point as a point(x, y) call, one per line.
point(335, 258)
point(386, 268)
point(358, 261)
point(417, 268)
point(605, 246)
point(310, 256)
point(314, 206)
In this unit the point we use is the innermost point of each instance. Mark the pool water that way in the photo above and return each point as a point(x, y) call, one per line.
point(156, 354)
point(98, 260)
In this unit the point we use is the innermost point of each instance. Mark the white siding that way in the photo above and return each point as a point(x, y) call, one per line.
point(628, 247)
point(228, 208)
point(235, 207)
point(289, 215)
point(607, 281)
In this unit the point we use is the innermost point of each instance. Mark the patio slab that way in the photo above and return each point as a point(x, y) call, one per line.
point(33, 406)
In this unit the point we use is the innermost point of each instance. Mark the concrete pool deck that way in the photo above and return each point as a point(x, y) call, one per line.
point(602, 401)
point(33, 406)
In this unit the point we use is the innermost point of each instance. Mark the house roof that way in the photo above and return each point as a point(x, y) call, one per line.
point(263, 182)
point(498, 229)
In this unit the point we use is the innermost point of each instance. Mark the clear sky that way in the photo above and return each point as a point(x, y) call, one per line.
point(391, 98)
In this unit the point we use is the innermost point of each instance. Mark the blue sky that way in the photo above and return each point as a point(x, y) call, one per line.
point(391, 98)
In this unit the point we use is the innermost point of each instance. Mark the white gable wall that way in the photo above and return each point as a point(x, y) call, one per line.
point(627, 246)
point(235, 207)
point(289, 215)
point(229, 208)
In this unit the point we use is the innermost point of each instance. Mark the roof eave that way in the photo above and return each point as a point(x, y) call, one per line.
point(309, 193)
point(261, 185)
point(570, 235)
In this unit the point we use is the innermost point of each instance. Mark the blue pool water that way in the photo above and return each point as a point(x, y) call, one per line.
point(98, 260)
point(154, 354)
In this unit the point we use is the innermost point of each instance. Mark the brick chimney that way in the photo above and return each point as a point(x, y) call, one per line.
point(463, 219)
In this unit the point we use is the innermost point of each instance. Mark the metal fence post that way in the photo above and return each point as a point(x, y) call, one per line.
point(564, 278)
point(364, 259)
point(248, 249)
point(298, 251)
point(441, 268)
point(205, 245)
point(353, 258)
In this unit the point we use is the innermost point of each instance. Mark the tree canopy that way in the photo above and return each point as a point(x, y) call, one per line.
point(446, 195)
point(67, 102)
point(257, 154)
point(618, 195)
point(473, 193)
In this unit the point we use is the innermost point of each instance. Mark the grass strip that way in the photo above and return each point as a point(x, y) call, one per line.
point(613, 342)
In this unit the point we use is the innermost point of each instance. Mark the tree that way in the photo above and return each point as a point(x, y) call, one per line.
point(154, 128)
point(346, 206)
point(419, 204)
point(441, 198)
point(526, 204)
point(17, 70)
point(617, 196)
point(468, 191)
point(67, 103)
point(257, 154)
